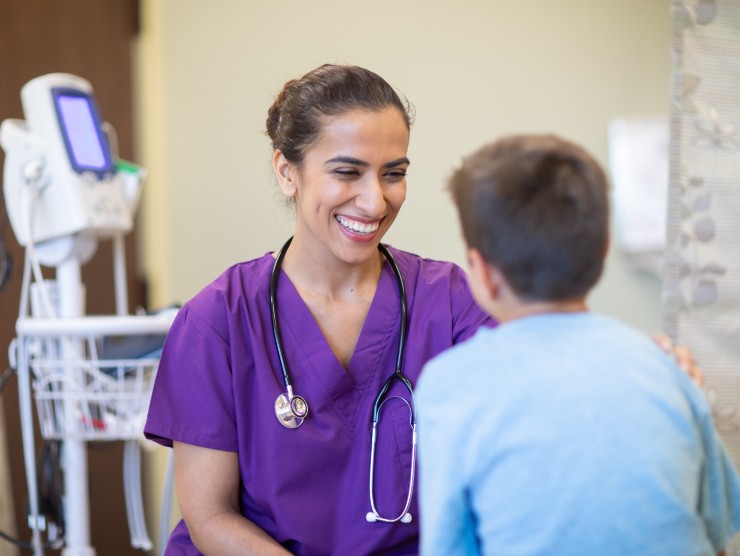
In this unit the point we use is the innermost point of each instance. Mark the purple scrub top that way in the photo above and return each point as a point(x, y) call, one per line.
point(308, 488)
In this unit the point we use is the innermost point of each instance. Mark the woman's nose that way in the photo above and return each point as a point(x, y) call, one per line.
point(371, 198)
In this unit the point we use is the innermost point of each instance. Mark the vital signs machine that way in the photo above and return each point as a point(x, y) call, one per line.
point(65, 190)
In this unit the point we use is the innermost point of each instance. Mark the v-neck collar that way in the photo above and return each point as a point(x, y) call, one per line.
point(312, 365)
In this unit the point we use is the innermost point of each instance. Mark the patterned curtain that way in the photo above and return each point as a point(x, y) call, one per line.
point(701, 285)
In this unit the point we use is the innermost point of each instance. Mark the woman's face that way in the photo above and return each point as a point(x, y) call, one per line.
point(351, 184)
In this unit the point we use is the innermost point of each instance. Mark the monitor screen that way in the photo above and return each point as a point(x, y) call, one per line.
point(80, 127)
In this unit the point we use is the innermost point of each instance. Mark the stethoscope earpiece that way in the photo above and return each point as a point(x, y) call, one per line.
point(372, 517)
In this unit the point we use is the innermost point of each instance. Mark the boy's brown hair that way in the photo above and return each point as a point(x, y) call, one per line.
point(537, 208)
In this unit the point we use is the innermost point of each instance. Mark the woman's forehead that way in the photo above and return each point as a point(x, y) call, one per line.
point(373, 131)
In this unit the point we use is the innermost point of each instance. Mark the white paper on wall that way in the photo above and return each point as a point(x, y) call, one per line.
point(638, 164)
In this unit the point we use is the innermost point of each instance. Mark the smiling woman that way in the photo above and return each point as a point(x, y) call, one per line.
point(348, 189)
point(354, 316)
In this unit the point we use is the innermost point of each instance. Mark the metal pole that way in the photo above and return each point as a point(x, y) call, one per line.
point(74, 452)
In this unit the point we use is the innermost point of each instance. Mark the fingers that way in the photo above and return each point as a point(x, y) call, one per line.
point(685, 360)
point(683, 356)
point(664, 341)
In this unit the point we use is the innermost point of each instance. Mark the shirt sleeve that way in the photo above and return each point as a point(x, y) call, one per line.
point(192, 400)
point(467, 314)
point(447, 522)
point(719, 502)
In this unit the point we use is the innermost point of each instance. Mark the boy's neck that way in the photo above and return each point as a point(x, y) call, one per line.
point(519, 309)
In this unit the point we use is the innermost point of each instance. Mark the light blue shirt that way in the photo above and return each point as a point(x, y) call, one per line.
point(569, 434)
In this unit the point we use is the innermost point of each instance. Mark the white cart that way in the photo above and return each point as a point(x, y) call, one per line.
point(82, 393)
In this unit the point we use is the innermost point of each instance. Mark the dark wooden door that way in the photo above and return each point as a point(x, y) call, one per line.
point(92, 39)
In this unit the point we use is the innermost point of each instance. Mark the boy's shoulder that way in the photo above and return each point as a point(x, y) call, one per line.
point(534, 344)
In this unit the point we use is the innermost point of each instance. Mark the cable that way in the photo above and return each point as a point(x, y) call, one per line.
point(6, 261)
point(50, 498)
point(5, 377)
point(32, 266)
point(17, 542)
point(25, 288)
point(46, 303)
point(50, 483)
point(27, 545)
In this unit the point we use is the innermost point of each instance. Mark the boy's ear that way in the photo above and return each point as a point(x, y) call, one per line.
point(486, 279)
point(285, 174)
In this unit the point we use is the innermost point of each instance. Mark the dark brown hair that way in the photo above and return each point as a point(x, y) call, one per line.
point(536, 207)
point(294, 119)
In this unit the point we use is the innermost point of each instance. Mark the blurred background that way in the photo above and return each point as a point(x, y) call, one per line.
point(187, 85)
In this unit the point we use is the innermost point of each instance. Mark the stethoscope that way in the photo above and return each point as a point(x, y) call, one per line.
point(291, 409)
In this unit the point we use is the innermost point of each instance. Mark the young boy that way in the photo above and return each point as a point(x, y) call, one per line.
point(561, 432)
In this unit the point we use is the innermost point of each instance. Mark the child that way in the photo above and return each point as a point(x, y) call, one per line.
point(561, 431)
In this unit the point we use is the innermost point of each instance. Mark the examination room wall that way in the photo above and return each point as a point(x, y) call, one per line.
point(474, 70)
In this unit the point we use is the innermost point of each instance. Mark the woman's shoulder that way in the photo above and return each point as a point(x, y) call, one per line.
point(437, 288)
point(433, 278)
point(426, 269)
point(243, 281)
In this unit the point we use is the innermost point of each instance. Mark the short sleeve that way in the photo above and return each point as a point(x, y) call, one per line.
point(467, 314)
point(192, 401)
point(719, 502)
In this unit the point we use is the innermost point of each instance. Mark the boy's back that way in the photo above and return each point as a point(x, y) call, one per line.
point(569, 433)
point(561, 432)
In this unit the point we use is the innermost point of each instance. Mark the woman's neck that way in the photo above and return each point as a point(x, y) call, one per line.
point(317, 270)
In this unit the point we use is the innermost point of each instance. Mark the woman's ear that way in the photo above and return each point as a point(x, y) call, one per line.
point(285, 174)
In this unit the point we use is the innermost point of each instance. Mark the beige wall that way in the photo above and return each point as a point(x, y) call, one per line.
point(473, 69)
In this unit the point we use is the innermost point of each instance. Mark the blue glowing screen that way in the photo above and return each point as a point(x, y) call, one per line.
point(82, 134)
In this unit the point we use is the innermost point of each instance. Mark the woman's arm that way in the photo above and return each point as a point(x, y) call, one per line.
point(207, 485)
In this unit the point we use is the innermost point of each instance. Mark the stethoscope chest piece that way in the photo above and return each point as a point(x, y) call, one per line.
point(291, 410)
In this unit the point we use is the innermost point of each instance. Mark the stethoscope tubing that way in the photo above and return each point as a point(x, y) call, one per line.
point(401, 341)
point(404, 516)
point(274, 312)
point(401, 336)
point(284, 407)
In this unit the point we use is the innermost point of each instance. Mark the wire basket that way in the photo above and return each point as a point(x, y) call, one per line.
point(91, 399)
point(83, 392)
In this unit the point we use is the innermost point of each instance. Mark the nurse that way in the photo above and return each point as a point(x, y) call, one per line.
point(247, 484)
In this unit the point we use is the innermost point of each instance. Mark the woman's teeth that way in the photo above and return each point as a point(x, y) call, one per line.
point(357, 227)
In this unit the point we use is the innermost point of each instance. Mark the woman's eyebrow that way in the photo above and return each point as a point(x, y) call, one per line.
point(358, 162)
point(347, 160)
point(398, 162)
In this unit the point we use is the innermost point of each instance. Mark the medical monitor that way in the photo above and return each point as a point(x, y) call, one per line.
point(83, 136)
point(61, 178)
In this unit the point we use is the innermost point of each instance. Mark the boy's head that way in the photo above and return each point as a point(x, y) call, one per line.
point(536, 208)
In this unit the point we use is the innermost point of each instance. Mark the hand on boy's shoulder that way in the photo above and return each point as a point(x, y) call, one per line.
point(683, 356)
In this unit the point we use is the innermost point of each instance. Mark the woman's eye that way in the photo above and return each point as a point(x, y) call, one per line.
point(347, 172)
point(396, 175)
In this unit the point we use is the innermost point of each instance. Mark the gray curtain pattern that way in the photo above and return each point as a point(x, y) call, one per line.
point(701, 280)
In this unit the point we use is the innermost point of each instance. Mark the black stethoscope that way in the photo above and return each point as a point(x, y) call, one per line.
point(291, 409)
